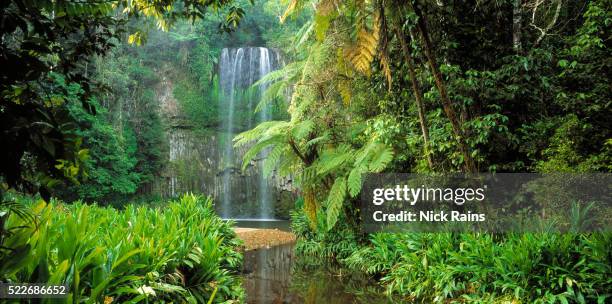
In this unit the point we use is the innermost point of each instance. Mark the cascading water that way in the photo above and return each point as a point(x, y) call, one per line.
point(239, 69)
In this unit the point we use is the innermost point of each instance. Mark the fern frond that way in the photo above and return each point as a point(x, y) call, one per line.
point(309, 176)
point(277, 128)
point(317, 140)
point(332, 160)
point(256, 133)
point(386, 68)
point(291, 8)
point(272, 159)
point(302, 129)
point(344, 88)
point(335, 199)
point(363, 154)
point(383, 156)
point(303, 34)
point(273, 91)
point(288, 165)
point(291, 70)
point(247, 137)
point(363, 52)
point(354, 181)
point(258, 147)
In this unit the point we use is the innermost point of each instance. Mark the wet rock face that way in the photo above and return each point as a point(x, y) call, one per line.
point(203, 160)
point(195, 165)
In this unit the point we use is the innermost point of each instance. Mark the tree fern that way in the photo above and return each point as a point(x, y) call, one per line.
point(310, 207)
point(322, 147)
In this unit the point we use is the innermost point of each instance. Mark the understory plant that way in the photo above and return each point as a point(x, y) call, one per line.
point(181, 253)
point(473, 267)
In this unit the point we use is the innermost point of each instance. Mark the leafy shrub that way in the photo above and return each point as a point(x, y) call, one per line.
point(182, 252)
point(330, 246)
point(442, 267)
point(534, 268)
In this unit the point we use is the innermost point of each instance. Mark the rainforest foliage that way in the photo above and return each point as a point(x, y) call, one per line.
point(45, 39)
point(369, 86)
point(444, 86)
point(106, 255)
point(474, 268)
point(439, 87)
point(81, 109)
point(79, 121)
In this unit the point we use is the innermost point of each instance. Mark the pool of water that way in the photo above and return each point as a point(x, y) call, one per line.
point(284, 225)
point(275, 275)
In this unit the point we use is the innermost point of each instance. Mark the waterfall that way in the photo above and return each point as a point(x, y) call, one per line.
point(239, 69)
point(264, 115)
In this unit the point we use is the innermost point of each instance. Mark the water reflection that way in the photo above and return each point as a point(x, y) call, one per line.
point(275, 275)
point(284, 225)
point(268, 274)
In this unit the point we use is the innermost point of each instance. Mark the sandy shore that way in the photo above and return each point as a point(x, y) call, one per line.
point(255, 238)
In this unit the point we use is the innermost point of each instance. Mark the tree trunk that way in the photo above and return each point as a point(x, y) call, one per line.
point(416, 91)
point(516, 25)
point(446, 102)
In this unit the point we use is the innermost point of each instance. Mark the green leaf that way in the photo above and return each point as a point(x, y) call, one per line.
point(272, 159)
point(125, 257)
point(334, 201)
point(257, 148)
point(321, 24)
point(212, 296)
point(302, 129)
point(382, 157)
point(354, 181)
point(332, 160)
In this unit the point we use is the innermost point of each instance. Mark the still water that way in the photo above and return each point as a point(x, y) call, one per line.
point(275, 275)
point(283, 225)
